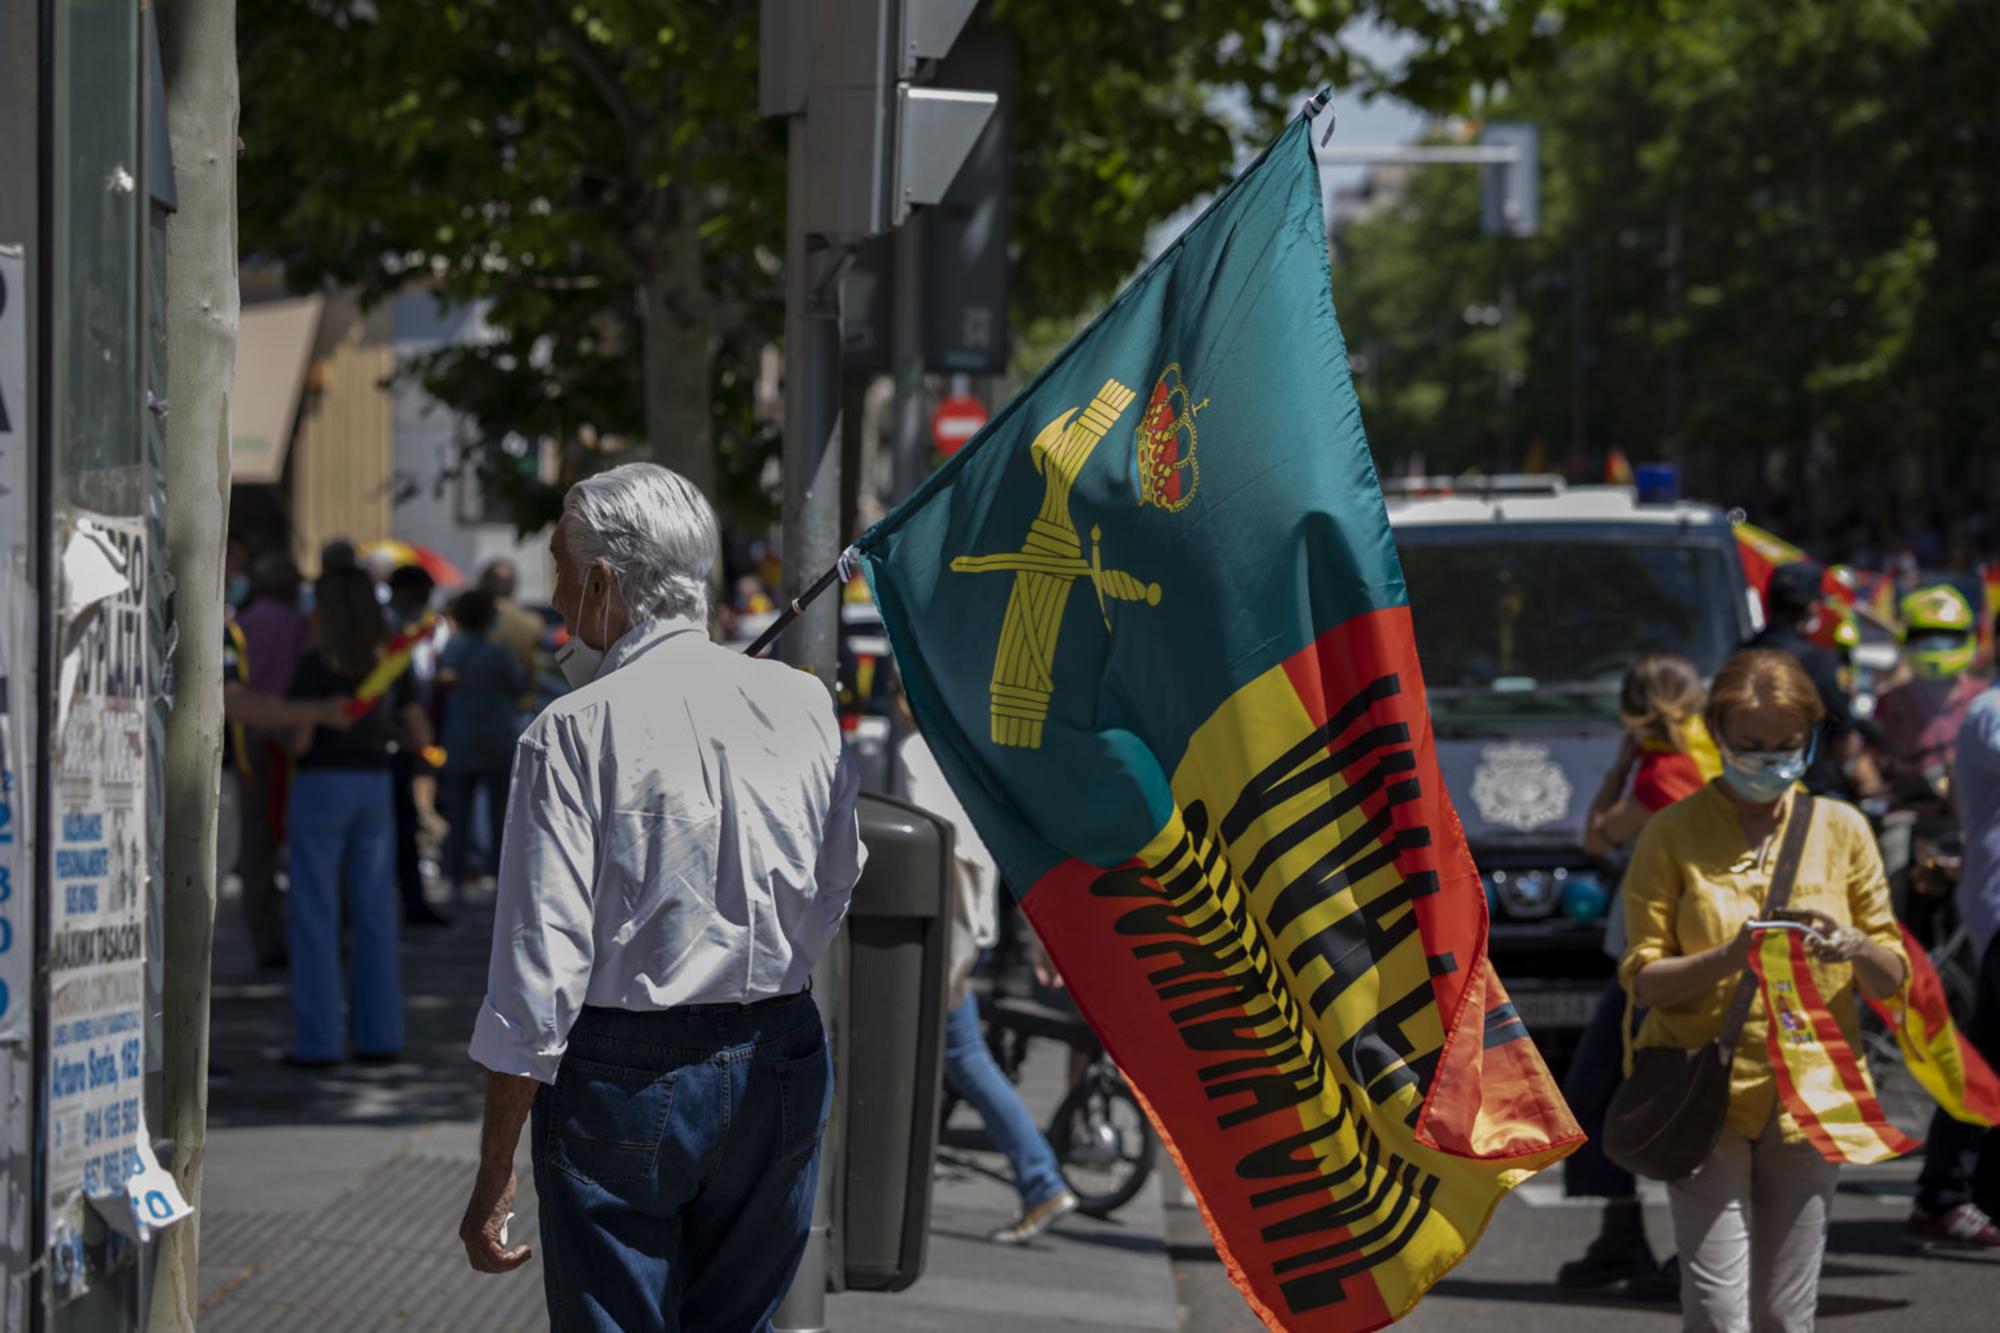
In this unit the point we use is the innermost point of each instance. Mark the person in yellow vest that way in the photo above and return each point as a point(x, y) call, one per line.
point(1750, 1222)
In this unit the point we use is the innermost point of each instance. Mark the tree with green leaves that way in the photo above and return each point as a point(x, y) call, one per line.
point(1768, 249)
point(597, 172)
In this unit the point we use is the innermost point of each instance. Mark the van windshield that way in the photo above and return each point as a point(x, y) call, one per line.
point(1521, 622)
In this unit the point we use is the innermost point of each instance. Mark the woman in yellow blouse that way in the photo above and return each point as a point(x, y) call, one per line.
point(1750, 1223)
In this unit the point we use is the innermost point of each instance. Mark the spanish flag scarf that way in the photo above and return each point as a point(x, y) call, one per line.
point(1822, 1079)
point(395, 660)
point(1938, 1056)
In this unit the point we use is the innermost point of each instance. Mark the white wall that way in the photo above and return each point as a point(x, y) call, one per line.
point(428, 438)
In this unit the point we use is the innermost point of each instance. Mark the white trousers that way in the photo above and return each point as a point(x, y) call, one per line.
point(1750, 1225)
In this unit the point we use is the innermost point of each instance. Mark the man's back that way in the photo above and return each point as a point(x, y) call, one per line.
point(275, 637)
point(707, 799)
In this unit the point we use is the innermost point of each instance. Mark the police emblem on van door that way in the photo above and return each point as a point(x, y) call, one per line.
point(1520, 787)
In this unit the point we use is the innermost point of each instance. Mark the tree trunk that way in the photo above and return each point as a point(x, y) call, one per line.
point(198, 49)
point(680, 350)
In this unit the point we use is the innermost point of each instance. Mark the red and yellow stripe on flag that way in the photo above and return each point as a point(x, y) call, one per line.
point(1820, 1077)
point(1938, 1057)
point(395, 660)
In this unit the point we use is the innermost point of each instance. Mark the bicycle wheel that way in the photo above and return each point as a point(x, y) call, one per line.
point(1103, 1143)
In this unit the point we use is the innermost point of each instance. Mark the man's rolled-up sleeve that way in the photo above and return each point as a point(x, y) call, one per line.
point(841, 853)
point(542, 936)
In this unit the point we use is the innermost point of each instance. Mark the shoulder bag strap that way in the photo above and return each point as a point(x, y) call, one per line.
point(1790, 852)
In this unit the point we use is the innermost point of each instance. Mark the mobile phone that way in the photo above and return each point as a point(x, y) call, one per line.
point(1794, 914)
point(1799, 927)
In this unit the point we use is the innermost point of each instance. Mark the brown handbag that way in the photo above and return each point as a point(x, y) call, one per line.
point(1667, 1114)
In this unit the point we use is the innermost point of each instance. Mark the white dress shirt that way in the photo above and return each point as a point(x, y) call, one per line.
point(680, 831)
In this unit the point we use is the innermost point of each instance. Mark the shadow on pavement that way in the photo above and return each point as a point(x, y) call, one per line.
point(1885, 1238)
point(444, 979)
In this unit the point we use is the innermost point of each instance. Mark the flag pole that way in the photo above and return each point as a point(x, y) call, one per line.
point(843, 569)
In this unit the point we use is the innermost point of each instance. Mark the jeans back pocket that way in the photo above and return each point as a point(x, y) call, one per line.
point(608, 1120)
point(805, 1096)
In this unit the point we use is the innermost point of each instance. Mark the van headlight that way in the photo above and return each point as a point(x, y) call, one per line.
point(1528, 895)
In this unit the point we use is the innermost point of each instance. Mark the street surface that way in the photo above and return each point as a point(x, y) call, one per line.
point(332, 1201)
point(1507, 1283)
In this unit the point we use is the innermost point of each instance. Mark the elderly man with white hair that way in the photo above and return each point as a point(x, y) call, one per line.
point(680, 847)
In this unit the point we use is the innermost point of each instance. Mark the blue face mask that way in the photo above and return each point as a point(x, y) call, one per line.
point(1763, 776)
point(238, 591)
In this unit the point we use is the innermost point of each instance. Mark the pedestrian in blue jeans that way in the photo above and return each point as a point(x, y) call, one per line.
point(969, 1069)
point(680, 847)
point(343, 835)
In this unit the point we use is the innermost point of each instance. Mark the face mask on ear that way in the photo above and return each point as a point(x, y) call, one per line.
point(578, 661)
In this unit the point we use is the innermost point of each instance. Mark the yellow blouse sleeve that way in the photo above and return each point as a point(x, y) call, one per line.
point(1868, 890)
point(1652, 902)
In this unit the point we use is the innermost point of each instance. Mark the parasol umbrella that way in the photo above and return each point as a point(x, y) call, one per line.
point(396, 554)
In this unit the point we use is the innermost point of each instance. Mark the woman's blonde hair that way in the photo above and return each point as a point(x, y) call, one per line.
point(1661, 692)
point(1762, 678)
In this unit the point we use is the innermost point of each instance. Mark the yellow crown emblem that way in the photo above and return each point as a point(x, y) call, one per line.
point(1167, 472)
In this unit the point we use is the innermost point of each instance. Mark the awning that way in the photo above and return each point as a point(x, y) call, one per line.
point(274, 342)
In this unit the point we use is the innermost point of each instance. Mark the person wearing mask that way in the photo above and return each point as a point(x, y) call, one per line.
point(681, 845)
point(1750, 1222)
point(343, 833)
point(1792, 606)
point(411, 589)
point(275, 635)
point(1667, 755)
point(515, 628)
point(479, 681)
point(1919, 718)
point(1959, 1190)
point(969, 1067)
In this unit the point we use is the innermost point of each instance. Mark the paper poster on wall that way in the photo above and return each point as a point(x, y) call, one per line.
point(97, 933)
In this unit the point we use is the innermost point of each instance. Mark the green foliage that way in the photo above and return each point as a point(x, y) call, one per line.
point(552, 158)
point(1783, 216)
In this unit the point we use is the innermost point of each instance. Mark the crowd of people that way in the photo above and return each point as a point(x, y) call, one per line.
point(365, 715)
point(1709, 782)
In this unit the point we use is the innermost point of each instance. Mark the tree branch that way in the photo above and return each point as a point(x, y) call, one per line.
point(616, 100)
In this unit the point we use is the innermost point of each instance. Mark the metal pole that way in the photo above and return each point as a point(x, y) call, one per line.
point(1579, 343)
point(812, 544)
point(906, 341)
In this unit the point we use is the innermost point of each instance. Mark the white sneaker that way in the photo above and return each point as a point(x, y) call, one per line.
point(1036, 1220)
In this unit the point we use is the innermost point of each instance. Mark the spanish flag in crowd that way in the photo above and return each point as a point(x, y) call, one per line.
point(1947, 1066)
point(1153, 625)
point(395, 660)
point(1822, 1079)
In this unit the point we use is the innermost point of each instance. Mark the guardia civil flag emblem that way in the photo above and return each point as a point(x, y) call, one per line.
point(1152, 623)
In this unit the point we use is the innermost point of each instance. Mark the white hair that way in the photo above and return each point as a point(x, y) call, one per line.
point(656, 531)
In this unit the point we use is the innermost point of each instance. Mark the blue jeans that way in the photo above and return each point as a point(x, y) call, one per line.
point(1962, 1161)
point(343, 829)
point(969, 1069)
point(675, 1157)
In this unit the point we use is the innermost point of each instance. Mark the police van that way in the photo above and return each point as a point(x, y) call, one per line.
point(1529, 598)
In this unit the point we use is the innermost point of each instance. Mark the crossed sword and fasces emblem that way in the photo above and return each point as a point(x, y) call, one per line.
point(1049, 561)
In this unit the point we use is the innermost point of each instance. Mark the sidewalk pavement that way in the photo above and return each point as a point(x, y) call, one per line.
point(331, 1199)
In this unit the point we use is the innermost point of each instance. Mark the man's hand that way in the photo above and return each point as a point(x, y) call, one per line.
point(485, 1217)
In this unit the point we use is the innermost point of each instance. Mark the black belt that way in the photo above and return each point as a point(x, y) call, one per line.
point(697, 1010)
